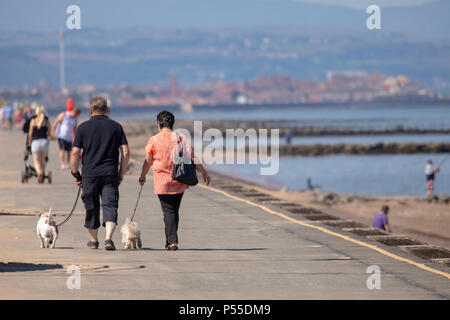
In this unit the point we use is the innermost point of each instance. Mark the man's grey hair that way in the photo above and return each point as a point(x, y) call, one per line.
point(99, 104)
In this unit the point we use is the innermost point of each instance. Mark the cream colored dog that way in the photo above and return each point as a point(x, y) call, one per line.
point(47, 230)
point(131, 236)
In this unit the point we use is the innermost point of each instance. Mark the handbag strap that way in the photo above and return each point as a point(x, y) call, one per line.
point(180, 153)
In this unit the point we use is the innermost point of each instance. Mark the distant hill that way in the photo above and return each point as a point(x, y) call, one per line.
point(251, 41)
point(428, 21)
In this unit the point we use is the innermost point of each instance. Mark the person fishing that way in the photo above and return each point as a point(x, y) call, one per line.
point(430, 173)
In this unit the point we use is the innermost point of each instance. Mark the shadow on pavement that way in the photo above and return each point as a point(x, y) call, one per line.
point(17, 214)
point(208, 249)
point(21, 267)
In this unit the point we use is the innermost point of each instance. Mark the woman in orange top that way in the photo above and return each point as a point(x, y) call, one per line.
point(159, 153)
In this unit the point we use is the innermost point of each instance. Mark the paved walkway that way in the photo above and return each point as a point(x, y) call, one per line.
point(230, 249)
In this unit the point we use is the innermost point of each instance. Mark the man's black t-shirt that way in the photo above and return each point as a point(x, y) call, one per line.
point(100, 138)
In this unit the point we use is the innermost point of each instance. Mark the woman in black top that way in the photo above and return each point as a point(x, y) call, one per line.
point(38, 139)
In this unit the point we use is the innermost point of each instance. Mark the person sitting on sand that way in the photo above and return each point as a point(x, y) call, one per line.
point(380, 220)
point(430, 176)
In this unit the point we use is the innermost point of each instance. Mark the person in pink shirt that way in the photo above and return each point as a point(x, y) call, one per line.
point(159, 154)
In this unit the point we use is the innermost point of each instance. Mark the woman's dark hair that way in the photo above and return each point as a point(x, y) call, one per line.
point(165, 119)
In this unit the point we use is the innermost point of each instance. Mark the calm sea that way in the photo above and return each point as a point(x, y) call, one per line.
point(377, 118)
point(366, 174)
point(359, 174)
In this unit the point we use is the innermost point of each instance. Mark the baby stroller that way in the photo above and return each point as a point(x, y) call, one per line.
point(30, 171)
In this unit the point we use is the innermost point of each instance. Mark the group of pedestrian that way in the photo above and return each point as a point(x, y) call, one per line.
point(6, 117)
point(101, 145)
point(104, 151)
point(40, 131)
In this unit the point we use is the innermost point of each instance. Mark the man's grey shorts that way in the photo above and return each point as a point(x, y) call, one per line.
point(106, 188)
point(39, 145)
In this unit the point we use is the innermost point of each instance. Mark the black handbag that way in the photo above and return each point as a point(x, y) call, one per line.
point(184, 171)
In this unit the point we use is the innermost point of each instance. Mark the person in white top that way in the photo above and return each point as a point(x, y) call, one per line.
point(430, 175)
point(64, 128)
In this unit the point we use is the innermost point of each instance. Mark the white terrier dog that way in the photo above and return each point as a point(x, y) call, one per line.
point(131, 236)
point(46, 229)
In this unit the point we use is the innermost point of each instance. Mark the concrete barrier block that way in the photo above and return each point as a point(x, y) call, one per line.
point(366, 231)
point(395, 240)
point(427, 252)
point(343, 224)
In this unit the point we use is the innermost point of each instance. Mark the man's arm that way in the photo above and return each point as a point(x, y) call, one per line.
point(74, 131)
point(76, 163)
point(124, 159)
point(55, 124)
point(386, 225)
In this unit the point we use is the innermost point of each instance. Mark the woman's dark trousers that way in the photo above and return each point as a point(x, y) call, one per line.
point(170, 204)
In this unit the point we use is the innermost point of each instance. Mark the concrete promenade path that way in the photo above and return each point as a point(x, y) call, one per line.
point(229, 249)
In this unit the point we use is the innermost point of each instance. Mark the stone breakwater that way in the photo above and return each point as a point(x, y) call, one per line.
point(355, 149)
point(148, 128)
point(296, 129)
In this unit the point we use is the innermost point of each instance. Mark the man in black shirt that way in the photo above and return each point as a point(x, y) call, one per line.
point(100, 138)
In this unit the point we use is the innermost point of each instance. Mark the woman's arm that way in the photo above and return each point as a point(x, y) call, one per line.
point(30, 131)
point(200, 167)
point(205, 175)
point(145, 168)
point(49, 130)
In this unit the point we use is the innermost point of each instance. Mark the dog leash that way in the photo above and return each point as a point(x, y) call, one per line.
point(137, 201)
point(73, 209)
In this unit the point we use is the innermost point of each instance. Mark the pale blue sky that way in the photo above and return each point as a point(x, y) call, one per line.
point(360, 3)
point(50, 15)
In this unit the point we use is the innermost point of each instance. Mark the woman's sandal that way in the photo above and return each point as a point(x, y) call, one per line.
point(172, 247)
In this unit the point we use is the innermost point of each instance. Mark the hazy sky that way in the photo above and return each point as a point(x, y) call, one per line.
point(359, 3)
point(50, 15)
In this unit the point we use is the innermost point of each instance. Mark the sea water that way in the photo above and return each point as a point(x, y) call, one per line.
point(358, 174)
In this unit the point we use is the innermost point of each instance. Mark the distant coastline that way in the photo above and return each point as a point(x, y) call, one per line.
point(253, 106)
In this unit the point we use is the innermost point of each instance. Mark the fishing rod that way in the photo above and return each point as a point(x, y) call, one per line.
point(443, 160)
